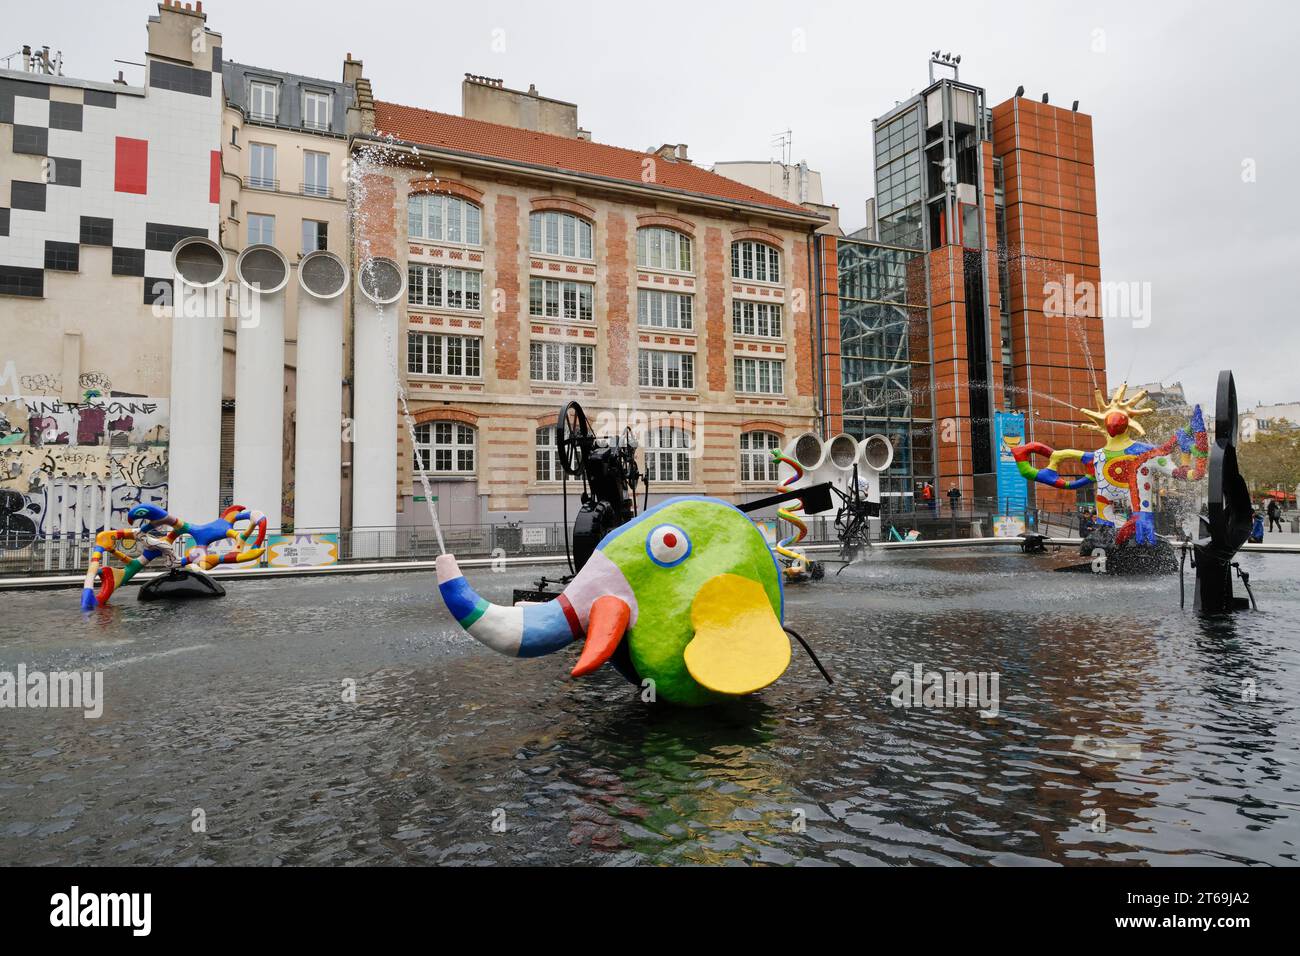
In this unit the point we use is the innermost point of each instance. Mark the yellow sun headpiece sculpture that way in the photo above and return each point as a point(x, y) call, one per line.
point(1114, 417)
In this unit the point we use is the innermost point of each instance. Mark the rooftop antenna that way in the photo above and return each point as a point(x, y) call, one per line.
point(783, 141)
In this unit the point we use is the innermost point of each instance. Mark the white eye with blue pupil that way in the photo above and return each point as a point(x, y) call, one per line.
point(668, 545)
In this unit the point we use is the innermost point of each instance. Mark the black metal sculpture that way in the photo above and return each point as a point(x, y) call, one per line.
point(1226, 526)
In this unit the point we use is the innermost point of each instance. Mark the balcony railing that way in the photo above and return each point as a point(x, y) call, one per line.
point(257, 182)
point(262, 117)
point(316, 189)
point(323, 127)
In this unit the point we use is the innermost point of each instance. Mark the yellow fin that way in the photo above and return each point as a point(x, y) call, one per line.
point(739, 646)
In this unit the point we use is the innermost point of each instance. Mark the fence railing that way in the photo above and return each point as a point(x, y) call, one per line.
point(22, 553)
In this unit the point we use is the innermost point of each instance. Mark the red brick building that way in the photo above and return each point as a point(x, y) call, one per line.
point(543, 266)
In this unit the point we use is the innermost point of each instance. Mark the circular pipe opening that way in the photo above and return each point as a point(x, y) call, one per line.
point(843, 449)
point(199, 262)
point(322, 274)
point(809, 451)
point(381, 281)
point(262, 268)
point(877, 452)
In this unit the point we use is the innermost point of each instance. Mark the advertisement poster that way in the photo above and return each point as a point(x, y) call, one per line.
point(303, 550)
point(1013, 490)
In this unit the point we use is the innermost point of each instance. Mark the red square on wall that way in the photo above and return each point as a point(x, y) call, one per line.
point(131, 172)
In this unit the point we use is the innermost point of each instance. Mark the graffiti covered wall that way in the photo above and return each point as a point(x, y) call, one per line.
point(79, 467)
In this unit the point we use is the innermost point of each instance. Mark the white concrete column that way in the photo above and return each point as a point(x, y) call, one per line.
point(194, 446)
point(263, 273)
point(323, 279)
point(374, 420)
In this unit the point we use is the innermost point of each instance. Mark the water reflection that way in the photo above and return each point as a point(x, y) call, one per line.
point(1128, 732)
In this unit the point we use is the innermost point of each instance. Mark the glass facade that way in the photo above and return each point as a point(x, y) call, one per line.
point(885, 357)
point(898, 179)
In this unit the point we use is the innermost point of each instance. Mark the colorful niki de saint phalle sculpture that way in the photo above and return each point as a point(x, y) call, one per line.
point(688, 594)
point(151, 538)
point(1124, 468)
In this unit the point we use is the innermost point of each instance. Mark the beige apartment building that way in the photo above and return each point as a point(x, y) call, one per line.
point(284, 147)
point(542, 266)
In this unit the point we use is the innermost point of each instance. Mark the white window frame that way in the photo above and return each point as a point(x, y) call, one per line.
point(757, 465)
point(759, 376)
point(261, 89)
point(546, 463)
point(447, 442)
point(754, 261)
point(445, 356)
point(561, 363)
point(664, 250)
point(668, 451)
point(658, 309)
point(658, 369)
point(321, 162)
point(756, 319)
point(456, 290)
point(307, 97)
point(261, 233)
point(561, 299)
point(437, 217)
point(256, 179)
point(561, 234)
point(315, 235)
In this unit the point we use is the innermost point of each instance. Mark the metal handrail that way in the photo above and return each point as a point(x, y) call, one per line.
point(311, 189)
point(257, 182)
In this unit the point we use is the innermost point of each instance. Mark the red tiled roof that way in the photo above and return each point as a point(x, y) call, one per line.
point(427, 128)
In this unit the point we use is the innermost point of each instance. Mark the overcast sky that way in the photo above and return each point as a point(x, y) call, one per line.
point(1182, 94)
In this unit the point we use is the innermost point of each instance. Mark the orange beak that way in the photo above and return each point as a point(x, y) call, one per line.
point(605, 628)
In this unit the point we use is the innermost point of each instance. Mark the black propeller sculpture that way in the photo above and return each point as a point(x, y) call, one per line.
point(1227, 525)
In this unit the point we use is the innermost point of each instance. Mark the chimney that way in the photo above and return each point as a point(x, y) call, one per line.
point(488, 99)
point(681, 153)
point(667, 151)
point(361, 112)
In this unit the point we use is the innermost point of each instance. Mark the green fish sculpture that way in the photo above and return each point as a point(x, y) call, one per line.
point(687, 595)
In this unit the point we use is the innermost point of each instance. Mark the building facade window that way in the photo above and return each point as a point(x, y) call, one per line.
point(261, 229)
point(437, 218)
point(660, 248)
point(562, 363)
point(444, 448)
point(756, 318)
point(548, 460)
point(668, 454)
point(657, 369)
point(458, 356)
point(437, 287)
point(261, 166)
point(756, 261)
point(315, 173)
point(559, 234)
point(560, 299)
point(760, 376)
point(664, 310)
point(316, 110)
point(315, 235)
point(756, 460)
point(263, 101)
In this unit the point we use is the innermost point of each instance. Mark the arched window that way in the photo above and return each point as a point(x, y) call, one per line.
point(437, 218)
point(548, 461)
point(552, 233)
point(668, 455)
point(445, 448)
point(756, 460)
point(756, 261)
point(661, 248)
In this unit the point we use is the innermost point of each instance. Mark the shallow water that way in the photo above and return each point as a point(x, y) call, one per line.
point(1111, 699)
